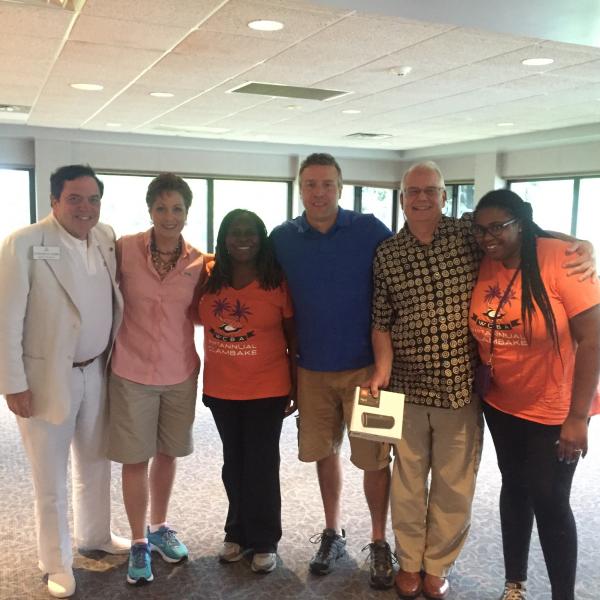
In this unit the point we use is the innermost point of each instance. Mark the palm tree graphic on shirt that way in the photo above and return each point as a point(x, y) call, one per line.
point(231, 315)
point(494, 294)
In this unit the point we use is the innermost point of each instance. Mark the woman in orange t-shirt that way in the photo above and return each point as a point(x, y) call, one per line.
point(538, 331)
point(249, 381)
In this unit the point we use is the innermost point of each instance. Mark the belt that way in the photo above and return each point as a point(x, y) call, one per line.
point(85, 363)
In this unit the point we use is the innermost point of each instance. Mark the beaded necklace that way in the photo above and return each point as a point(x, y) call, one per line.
point(164, 265)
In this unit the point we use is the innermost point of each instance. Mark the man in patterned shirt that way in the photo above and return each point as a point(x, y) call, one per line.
point(423, 279)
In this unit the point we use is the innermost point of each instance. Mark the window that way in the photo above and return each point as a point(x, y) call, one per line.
point(268, 199)
point(380, 202)
point(551, 200)
point(347, 198)
point(124, 207)
point(16, 190)
point(460, 198)
point(376, 201)
point(588, 211)
point(465, 199)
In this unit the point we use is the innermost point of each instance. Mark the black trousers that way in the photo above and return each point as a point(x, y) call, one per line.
point(534, 483)
point(250, 432)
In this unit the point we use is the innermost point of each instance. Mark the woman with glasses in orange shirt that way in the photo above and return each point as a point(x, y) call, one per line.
point(538, 332)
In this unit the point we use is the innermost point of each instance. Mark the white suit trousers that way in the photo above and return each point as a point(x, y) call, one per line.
point(47, 447)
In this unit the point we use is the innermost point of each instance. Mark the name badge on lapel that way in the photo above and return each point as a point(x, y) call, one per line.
point(46, 253)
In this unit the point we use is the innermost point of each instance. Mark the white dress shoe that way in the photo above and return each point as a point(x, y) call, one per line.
point(116, 545)
point(62, 584)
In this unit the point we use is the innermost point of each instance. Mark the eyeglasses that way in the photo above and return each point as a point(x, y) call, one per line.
point(495, 229)
point(431, 192)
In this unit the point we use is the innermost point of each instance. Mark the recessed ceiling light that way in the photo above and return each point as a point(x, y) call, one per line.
point(87, 87)
point(113, 124)
point(505, 124)
point(294, 107)
point(351, 111)
point(537, 62)
point(161, 94)
point(265, 25)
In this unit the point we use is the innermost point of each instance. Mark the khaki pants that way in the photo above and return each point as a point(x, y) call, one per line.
point(431, 525)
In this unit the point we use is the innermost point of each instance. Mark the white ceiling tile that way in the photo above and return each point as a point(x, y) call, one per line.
point(17, 92)
point(589, 71)
point(298, 23)
point(82, 61)
point(33, 21)
point(331, 52)
point(175, 13)
point(127, 34)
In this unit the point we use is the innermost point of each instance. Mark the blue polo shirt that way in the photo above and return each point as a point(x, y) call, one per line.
point(330, 279)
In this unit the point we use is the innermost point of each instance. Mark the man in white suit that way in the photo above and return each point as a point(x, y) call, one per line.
point(59, 310)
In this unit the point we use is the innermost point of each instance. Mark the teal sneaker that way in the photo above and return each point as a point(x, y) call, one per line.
point(139, 570)
point(165, 542)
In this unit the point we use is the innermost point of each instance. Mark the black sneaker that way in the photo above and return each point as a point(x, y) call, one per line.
point(333, 546)
point(381, 570)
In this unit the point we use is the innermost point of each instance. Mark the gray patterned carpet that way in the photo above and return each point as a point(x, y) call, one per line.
point(198, 509)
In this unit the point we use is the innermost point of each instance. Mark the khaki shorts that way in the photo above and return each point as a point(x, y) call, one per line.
point(325, 400)
point(146, 419)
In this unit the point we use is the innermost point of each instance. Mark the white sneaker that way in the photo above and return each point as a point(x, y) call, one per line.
point(264, 562)
point(116, 545)
point(231, 552)
point(62, 584)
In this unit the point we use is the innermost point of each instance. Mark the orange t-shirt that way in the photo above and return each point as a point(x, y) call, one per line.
point(530, 381)
point(245, 354)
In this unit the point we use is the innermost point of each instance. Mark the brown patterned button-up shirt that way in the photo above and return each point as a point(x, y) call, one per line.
point(421, 296)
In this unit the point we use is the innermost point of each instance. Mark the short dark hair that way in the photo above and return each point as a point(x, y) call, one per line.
point(323, 159)
point(168, 182)
point(270, 274)
point(70, 173)
point(533, 290)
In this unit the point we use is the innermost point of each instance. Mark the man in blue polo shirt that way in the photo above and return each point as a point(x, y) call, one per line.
point(327, 255)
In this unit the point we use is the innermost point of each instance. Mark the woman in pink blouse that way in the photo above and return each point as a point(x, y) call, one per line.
point(154, 370)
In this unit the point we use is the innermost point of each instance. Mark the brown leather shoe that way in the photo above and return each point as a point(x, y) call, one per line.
point(435, 588)
point(408, 585)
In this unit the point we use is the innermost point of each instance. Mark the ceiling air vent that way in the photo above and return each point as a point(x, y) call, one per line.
point(287, 91)
point(368, 136)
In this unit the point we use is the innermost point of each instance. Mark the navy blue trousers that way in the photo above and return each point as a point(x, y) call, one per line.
point(250, 432)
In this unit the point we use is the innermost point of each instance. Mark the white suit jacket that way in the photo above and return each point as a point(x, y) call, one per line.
point(39, 318)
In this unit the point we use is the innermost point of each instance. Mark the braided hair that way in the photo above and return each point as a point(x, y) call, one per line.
point(270, 275)
point(533, 291)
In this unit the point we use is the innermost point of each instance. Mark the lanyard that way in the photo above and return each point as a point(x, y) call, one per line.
point(495, 317)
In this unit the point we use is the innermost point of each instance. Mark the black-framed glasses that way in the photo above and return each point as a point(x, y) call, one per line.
point(495, 229)
point(431, 192)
